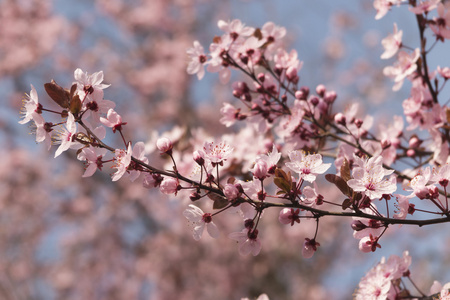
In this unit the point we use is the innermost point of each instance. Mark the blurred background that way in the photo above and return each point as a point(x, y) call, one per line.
point(66, 237)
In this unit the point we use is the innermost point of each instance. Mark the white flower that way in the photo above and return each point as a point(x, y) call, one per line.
point(307, 166)
point(200, 220)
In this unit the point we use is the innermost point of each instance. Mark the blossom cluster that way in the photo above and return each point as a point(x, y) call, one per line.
point(280, 156)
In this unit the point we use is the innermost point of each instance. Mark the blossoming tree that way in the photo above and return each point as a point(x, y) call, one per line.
point(293, 146)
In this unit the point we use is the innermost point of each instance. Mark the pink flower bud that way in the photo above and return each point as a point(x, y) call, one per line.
point(152, 180)
point(414, 142)
point(339, 118)
point(198, 156)
point(260, 170)
point(261, 77)
point(291, 75)
point(330, 97)
point(169, 186)
point(358, 123)
point(164, 145)
point(299, 95)
point(231, 192)
point(369, 244)
point(194, 196)
point(289, 216)
point(411, 152)
point(309, 248)
point(320, 90)
point(314, 101)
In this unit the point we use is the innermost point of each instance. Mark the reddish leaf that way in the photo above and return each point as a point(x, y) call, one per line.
point(346, 204)
point(340, 184)
point(58, 94)
point(75, 105)
point(220, 202)
point(345, 170)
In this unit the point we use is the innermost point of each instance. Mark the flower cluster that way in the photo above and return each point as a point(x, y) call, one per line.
point(286, 128)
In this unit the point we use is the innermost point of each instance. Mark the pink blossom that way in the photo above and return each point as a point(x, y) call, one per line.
point(229, 114)
point(200, 220)
point(375, 286)
point(289, 216)
point(405, 66)
point(444, 291)
point(272, 34)
point(94, 159)
point(424, 6)
point(217, 153)
point(231, 192)
point(90, 84)
point(164, 145)
point(284, 60)
point(309, 247)
point(249, 53)
point(382, 7)
point(152, 180)
point(122, 161)
point(66, 135)
point(441, 25)
point(368, 177)
point(368, 244)
point(392, 43)
point(377, 283)
point(418, 184)
point(248, 241)
point(197, 60)
point(261, 297)
point(307, 165)
point(235, 28)
point(271, 159)
point(113, 120)
point(311, 197)
point(138, 153)
point(444, 72)
point(363, 227)
point(260, 169)
point(43, 130)
point(403, 206)
point(30, 106)
point(217, 62)
point(169, 186)
point(441, 175)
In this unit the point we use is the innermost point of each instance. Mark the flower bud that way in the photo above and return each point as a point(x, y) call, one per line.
point(194, 196)
point(289, 216)
point(291, 75)
point(164, 145)
point(414, 142)
point(330, 97)
point(320, 90)
point(231, 192)
point(152, 180)
point(169, 186)
point(261, 77)
point(198, 157)
point(299, 95)
point(309, 247)
point(358, 123)
point(339, 118)
point(260, 170)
